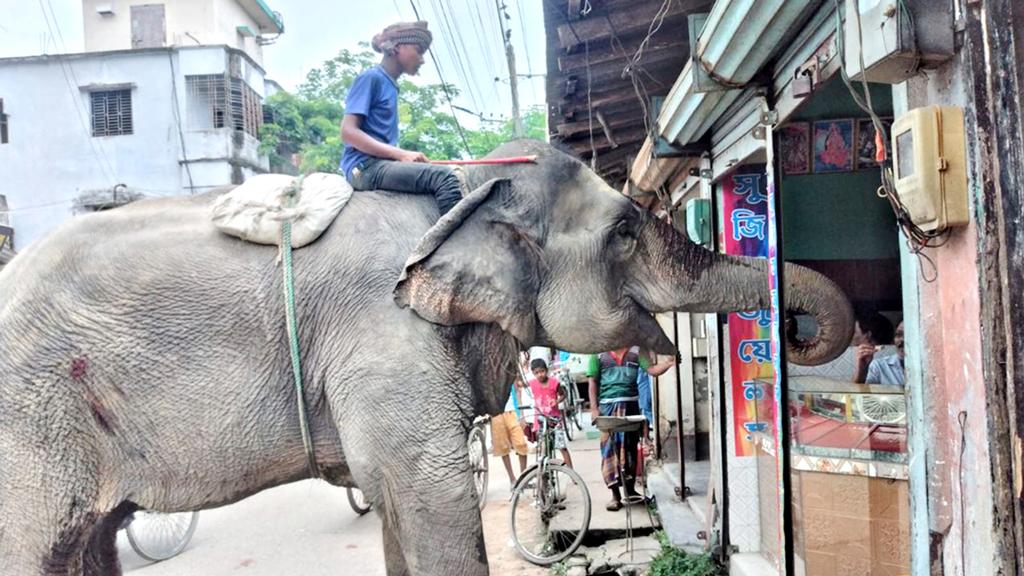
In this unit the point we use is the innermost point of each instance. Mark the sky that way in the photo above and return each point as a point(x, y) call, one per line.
point(467, 41)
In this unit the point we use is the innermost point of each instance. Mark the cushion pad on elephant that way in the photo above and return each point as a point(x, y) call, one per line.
point(255, 210)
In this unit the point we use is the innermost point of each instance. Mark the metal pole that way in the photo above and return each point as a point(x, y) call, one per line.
point(510, 55)
point(776, 259)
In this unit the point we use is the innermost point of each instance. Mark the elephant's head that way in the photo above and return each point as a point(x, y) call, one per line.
point(557, 257)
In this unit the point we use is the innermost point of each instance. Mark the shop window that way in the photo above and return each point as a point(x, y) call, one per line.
point(206, 101)
point(3, 123)
point(111, 112)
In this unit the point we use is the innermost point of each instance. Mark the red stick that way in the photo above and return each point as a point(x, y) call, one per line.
point(510, 160)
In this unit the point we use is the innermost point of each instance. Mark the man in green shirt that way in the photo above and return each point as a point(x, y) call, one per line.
point(614, 392)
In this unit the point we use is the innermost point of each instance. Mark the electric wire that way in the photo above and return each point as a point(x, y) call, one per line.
point(481, 32)
point(526, 47)
point(102, 161)
point(444, 88)
point(961, 419)
point(917, 239)
point(634, 68)
point(471, 62)
point(145, 192)
point(177, 121)
point(462, 53)
point(590, 112)
point(450, 38)
point(494, 20)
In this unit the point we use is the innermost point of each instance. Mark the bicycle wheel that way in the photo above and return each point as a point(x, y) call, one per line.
point(156, 536)
point(550, 513)
point(477, 444)
point(565, 424)
point(357, 501)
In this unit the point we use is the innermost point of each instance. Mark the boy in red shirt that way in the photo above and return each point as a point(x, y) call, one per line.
point(547, 393)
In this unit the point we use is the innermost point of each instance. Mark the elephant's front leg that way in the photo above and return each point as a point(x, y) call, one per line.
point(430, 508)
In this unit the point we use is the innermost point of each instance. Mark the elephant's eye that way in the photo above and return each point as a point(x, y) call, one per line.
point(623, 239)
point(624, 230)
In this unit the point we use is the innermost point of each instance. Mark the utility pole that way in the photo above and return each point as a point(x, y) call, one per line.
point(510, 55)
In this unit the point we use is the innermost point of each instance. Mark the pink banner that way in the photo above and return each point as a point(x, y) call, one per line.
point(745, 232)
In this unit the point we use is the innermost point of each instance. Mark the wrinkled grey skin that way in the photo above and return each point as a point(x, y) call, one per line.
point(145, 360)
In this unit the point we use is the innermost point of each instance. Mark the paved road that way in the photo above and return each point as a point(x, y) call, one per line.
point(307, 528)
point(304, 528)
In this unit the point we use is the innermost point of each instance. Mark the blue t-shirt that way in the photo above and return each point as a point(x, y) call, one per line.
point(374, 96)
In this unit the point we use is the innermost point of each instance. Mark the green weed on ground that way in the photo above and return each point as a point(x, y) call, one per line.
point(559, 569)
point(672, 561)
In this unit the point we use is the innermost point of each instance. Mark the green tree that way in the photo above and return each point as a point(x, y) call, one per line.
point(307, 123)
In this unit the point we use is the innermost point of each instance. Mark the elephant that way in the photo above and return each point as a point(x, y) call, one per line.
point(146, 361)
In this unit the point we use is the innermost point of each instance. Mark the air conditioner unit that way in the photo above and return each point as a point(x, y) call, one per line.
point(105, 9)
point(896, 37)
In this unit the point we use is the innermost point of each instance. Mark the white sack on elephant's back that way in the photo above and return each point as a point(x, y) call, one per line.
point(255, 210)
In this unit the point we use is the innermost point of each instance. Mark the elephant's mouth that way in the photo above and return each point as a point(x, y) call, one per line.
point(648, 332)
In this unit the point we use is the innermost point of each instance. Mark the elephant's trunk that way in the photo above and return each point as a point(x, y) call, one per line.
point(687, 277)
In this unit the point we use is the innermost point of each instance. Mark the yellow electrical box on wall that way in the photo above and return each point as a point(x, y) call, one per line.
point(930, 166)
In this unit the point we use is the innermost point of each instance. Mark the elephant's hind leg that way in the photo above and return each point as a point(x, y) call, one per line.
point(100, 555)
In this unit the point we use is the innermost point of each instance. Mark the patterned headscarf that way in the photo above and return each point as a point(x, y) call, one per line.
point(402, 33)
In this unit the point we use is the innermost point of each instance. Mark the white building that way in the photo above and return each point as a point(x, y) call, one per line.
point(166, 99)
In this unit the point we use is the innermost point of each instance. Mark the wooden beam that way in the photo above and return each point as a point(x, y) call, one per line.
point(624, 137)
point(619, 155)
point(621, 22)
point(629, 104)
point(582, 126)
point(671, 38)
point(613, 70)
point(664, 75)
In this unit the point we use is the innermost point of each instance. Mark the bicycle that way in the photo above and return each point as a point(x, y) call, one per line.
point(572, 405)
point(156, 536)
point(357, 500)
point(478, 461)
point(550, 505)
point(476, 443)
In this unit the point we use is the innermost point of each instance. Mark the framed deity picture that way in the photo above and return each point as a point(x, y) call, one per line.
point(833, 146)
point(795, 148)
point(866, 142)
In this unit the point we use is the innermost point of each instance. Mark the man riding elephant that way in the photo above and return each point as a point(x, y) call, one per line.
point(146, 358)
point(372, 159)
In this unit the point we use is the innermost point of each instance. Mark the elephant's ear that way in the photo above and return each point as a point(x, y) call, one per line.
point(479, 263)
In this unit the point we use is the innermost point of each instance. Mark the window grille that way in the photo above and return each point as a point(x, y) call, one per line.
point(211, 105)
point(246, 108)
point(207, 101)
point(111, 112)
point(3, 123)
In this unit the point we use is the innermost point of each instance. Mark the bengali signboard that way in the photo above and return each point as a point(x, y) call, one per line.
point(745, 231)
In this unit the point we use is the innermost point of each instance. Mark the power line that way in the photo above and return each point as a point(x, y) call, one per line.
point(65, 67)
point(481, 32)
point(177, 121)
point(506, 35)
point(451, 38)
point(526, 48)
point(468, 56)
point(444, 86)
point(495, 23)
